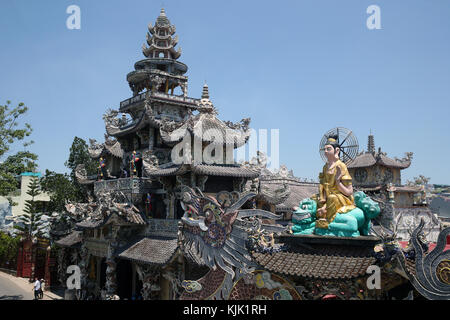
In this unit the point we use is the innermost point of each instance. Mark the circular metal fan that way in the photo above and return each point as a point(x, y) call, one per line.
point(347, 141)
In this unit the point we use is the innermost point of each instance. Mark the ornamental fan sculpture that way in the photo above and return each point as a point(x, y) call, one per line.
point(347, 143)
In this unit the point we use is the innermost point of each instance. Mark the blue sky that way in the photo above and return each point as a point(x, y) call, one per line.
point(303, 67)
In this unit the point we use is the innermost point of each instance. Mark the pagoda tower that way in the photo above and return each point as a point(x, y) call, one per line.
point(133, 129)
point(160, 72)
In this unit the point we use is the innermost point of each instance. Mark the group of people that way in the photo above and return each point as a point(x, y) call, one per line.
point(38, 288)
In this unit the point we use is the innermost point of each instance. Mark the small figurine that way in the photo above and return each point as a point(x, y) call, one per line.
point(134, 159)
point(101, 168)
point(148, 203)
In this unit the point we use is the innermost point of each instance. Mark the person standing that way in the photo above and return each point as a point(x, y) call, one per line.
point(36, 288)
point(41, 291)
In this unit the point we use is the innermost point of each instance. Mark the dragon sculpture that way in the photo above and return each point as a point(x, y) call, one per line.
point(219, 234)
point(432, 270)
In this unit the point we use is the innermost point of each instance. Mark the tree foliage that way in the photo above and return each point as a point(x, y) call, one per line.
point(22, 161)
point(9, 126)
point(31, 221)
point(419, 181)
point(60, 189)
point(9, 246)
point(79, 154)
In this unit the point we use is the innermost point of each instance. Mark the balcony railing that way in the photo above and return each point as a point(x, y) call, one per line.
point(129, 185)
point(157, 95)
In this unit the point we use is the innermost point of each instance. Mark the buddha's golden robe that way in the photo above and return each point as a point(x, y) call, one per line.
point(336, 201)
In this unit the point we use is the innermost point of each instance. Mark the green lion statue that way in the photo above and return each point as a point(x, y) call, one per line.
point(350, 224)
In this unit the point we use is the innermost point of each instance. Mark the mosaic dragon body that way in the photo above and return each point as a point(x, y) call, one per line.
point(216, 234)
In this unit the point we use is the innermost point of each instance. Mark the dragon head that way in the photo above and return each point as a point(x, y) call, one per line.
point(305, 213)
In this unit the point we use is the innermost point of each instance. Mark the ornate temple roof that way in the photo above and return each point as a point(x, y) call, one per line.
point(370, 158)
point(109, 147)
point(116, 128)
point(318, 258)
point(155, 250)
point(299, 191)
point(159, 39)
point(200, 169)
point(281, 188)
point(207, 127)
point(70, 240)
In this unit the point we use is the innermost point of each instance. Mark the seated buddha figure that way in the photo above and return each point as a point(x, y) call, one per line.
point(335, 190)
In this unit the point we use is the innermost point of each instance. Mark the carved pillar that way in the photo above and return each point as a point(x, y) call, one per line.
point(167, 204)
point(62, 266)
point(388, 216)
point(84, 266)
point(151, 138)
point(111, 277)
point(150, 279)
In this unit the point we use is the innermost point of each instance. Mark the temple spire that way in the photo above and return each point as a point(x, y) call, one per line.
point(160, 40)
point(205, 92)
point(371, 143)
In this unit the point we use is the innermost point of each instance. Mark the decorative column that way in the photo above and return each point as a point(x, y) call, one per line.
point(149, 277)
point(111, 277)
point(84, 266)
point(388, 217)
point(62, 266)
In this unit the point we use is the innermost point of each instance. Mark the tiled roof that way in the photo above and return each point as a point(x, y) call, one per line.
point(161, 172)
point(321, 257)
point(320, 265)
point(208, 128)
point(203, 169)
point(299, 191)
point(407, 189)
point(135, 217)
point(70, 240)
point(363, 160)
point(368, 159)
point(151, 250)
point(115, 149)
point(90, 224)
point(225, 171)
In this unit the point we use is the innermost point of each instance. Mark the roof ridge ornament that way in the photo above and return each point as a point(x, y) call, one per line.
point(205, 105)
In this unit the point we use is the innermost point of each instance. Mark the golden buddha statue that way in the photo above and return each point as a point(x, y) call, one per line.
point(335, 190)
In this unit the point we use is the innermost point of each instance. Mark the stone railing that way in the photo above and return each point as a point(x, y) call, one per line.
point(162, 227)
point(157, 95)
point(129, 185)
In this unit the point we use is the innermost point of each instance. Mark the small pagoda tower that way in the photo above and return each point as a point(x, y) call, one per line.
point(160, 72)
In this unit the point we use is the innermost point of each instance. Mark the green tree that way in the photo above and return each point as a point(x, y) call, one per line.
point(79, 154)
point(10, 133)
point(60, 189)
point(9, 247)
point(31, 220)
point(9, 122)
point(22, 161)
